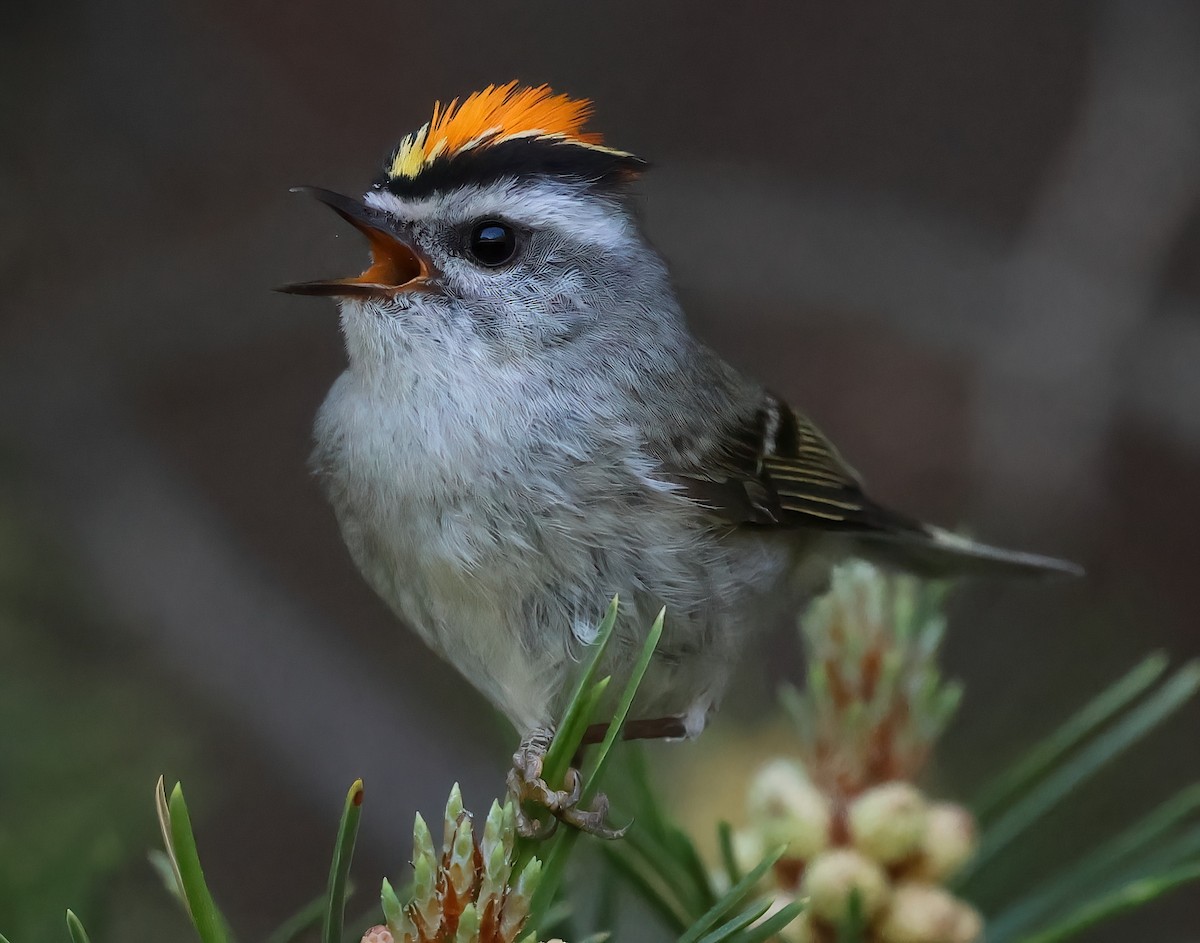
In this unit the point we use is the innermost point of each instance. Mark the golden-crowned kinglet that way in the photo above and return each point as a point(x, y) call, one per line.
point(527, 428)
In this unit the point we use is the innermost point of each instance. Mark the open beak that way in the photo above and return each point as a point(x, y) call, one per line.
point(396, 264)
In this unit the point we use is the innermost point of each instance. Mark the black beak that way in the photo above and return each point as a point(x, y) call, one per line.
point(396, 264)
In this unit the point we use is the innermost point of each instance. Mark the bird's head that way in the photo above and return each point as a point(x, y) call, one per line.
point(500, 228)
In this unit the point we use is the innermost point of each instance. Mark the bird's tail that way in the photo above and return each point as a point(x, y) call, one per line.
point(933, 551)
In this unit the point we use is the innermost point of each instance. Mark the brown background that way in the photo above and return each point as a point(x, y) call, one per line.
point(964, 235)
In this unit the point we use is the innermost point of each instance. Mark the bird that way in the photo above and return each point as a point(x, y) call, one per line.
point(527, 427)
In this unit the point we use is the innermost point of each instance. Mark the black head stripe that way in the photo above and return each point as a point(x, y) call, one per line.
point(518, 158)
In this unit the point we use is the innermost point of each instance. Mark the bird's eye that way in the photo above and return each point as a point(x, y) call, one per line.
point(492, 242)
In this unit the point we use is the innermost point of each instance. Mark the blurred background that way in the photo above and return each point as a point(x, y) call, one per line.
point(964, 236)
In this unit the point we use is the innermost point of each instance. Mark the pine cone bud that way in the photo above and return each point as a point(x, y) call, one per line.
point(787, 809)
point(969, 928)
point(748, 849)
point(463, 892)
point(833, 876)
point(948, 844)
point(887, 823)
point(925, 913)
point(799, 930)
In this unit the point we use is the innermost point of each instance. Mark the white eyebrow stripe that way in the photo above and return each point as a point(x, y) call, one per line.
point(537, 204)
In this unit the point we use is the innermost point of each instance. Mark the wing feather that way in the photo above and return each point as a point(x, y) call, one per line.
point(774, 467)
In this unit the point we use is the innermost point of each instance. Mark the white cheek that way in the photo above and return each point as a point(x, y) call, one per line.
point(464, 277)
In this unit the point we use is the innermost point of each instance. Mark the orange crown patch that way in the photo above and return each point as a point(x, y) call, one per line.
point(497, 114)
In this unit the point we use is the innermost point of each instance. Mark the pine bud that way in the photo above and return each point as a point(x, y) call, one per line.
point(887, 823)
point(468, 925)
point(948, 844)
point(799, 930)
point(969, 927)
point(833, 876)
point(787, 809)
point(925, 913)
point(748, 849)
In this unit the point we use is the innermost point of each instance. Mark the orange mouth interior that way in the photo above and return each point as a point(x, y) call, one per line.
point(393, 264)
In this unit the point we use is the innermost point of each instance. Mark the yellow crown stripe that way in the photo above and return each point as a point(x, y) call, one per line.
point(496, 114)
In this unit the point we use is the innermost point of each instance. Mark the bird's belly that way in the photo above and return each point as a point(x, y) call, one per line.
point(514, 619)
point(508, 583)
point(438, 574)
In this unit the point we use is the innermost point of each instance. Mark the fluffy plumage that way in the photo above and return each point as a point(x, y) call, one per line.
point(512, 445)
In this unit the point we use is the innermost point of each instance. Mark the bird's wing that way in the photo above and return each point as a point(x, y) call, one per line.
point(773, 467)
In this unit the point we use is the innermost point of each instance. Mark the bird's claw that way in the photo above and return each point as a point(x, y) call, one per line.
point(525, 784)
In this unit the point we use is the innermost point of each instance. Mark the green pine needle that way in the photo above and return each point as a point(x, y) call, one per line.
point(769, 927)
point(577, 715)
point(646, 883)
point(731, 898)
point(728, 858)
point(1042, 757)
point(684, 851)
point(650, 814)
point(1182, 849)
point(661, 844)
point(617, 723)
point(1114, 903)
point(607, 899)
point(693, 897)
point(1097, 870)
point(339, 869)
point(564, 841)
point(162, 865)
point(728, 931)
point(75, 928)
point(163, 810)
point(181, 848)
point(1068, 776)
point(853, 927)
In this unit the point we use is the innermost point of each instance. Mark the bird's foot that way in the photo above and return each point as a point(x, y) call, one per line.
point(525, 784)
